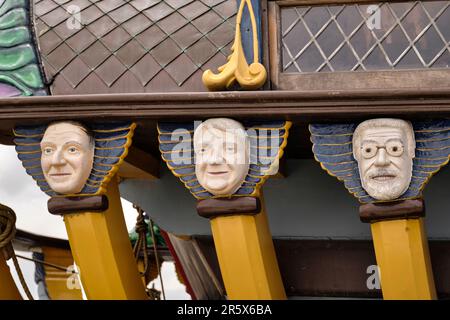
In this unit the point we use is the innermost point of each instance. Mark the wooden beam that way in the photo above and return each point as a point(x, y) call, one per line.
point(245, 249)
point(139, 165)
point(61, 285)
point(335, 268)
point(401, 249)
point(319, 105)
point(102, 251)
point(320, 2)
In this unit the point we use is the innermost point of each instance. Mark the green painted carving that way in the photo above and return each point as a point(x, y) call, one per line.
point(19, 66)
point(13, 18)
point(17, 57)
point(30, 76)
point(14, 36)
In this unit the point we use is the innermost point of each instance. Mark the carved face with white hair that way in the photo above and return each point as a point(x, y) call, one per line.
point(222, 155)
point(384, 149)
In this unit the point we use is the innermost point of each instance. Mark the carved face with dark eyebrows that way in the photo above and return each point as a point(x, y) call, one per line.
point(67, 157)
point(384, 149)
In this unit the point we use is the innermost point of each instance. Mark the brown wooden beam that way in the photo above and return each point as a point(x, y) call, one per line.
point(334, 268)
point(324, 2)
point(139, 164)
point(310, 105)
point(406, 209)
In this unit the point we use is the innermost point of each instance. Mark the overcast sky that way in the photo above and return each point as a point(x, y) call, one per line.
point(20, 192)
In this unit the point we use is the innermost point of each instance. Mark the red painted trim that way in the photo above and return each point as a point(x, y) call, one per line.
point(178, 264)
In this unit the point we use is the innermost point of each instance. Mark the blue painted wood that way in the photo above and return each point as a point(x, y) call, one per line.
point(247, 31)
point(260, 157)
point(110, 146)
point(332, 147)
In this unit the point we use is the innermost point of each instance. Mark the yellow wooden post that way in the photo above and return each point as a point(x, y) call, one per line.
point(61, 285)
point(8, 288)
point(247, 257)
point(402, 255)
point(103, 252)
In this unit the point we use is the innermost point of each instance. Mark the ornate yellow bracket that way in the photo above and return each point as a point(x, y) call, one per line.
point(246, 255)
point(250, 77)
point(401, 249)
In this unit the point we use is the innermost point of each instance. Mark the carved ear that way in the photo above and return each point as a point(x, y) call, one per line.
point(412, 147)
point(411, 140)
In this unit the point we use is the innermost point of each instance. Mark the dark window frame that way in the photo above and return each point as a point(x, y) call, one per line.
point(344, 81)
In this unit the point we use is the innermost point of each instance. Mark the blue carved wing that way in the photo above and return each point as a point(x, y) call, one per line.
point(267, 142)
point(432, 152)
point(112, 141)
point(177, 151)
point(333, 149)
point(27, 140)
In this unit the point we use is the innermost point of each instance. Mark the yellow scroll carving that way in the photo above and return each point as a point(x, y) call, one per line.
point(249, 77)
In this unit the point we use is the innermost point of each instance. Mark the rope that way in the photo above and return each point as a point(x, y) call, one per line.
point(141, 243)
point(157, 259)
point(55, 266)
point(7, 226)
point(7, 233)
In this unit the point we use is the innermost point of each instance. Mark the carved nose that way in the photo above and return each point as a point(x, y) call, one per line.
point(382, 158)
point(58, 158)
point(216, 157)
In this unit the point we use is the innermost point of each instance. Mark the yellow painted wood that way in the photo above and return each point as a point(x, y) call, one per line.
point(247, 257)
point(60, 285)
point(8, 288)
point(102, 251)
point(401, 249)
point(249, 77)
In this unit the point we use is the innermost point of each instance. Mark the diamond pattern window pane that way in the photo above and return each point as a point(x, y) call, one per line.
point(408, 35)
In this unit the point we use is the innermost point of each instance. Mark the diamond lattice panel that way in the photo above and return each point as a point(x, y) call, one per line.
point(406, 35)
point(132, 45)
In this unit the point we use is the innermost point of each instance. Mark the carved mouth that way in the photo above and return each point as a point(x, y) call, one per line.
point(60, 176)
point(383, 177)
point(217, 173)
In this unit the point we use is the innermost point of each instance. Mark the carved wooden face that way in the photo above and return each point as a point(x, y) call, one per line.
point(385, 157)
point(222, 155)
point(67, 157)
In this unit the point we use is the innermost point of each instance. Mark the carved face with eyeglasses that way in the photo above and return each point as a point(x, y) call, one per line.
point(384, 149)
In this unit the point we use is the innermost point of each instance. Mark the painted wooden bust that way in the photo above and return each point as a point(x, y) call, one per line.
point(221, 155)
point(67, 156)
point(384, 150)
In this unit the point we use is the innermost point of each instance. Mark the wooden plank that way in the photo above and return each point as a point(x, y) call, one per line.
point(273, 20)
point(367, 80)
point(323, 2)
point(335, 268)
point(317, 105)
point(57, 281)
point(139, 164)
